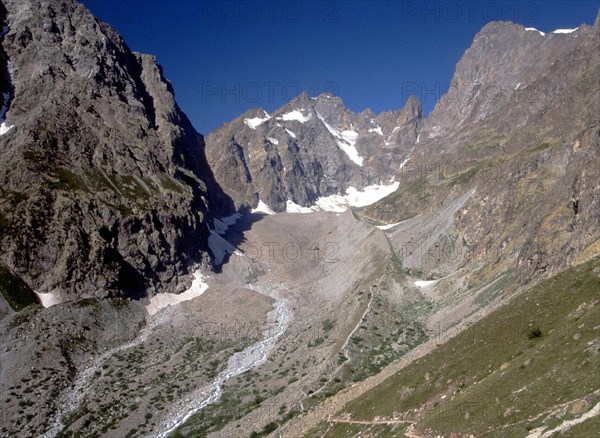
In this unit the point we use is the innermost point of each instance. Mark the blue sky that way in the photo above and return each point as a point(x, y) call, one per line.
point(224, 58)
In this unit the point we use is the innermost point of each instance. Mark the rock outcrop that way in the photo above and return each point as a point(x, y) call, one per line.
point(104, 186)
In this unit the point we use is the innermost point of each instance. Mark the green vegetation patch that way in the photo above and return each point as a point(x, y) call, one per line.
point(68, 180)
point(464, 177)
point(540, 147)
point(531, 363)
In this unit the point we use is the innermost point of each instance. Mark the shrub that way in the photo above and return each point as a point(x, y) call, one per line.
point(535, 332)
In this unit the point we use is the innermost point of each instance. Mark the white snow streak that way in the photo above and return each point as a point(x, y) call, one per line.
point(345, 140)
point(422, 283)
point(565, 30)
point(535, 30)
point(388, 226)
point(290, 133)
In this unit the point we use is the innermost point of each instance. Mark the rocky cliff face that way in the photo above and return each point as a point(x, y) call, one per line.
point(309, 148)
point(506, 66)
point(104, 186)
point(520, 132)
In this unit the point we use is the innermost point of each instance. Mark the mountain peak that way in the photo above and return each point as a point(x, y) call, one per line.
point(413, 102)
point(311, 148)
point(503, 59)
point(329, 97)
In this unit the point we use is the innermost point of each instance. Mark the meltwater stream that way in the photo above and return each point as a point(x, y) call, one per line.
point(73, 398)
point(242, 361)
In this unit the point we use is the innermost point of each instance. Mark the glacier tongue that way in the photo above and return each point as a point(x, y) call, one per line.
point(353, 198)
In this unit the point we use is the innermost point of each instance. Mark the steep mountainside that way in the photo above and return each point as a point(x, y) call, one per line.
point(104, 187)
point(310, 148)
point(528, 369)
point(527, 154)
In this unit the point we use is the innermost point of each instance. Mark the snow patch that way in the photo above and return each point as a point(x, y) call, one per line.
point(565, 30)
point(404, 162)
point(290, 133)
point(273, 140)
point(48, 299)
point(294, 115)
point(257, 121)
point(4, 128)
point(263, 208)
point(161, 301)
point(351, 152)
point(377, 130)
point(292, 207)
point(535, 30)
point(423, 283)
point(388, 226)
point(218, 245)
point(517, 86)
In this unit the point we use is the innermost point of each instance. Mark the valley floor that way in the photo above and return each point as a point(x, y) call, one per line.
point(315, 326)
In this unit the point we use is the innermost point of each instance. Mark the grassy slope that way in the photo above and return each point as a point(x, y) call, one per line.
point(497, 377)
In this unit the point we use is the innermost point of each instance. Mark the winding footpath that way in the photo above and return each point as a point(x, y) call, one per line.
point(341, 420)
point(343, 350)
